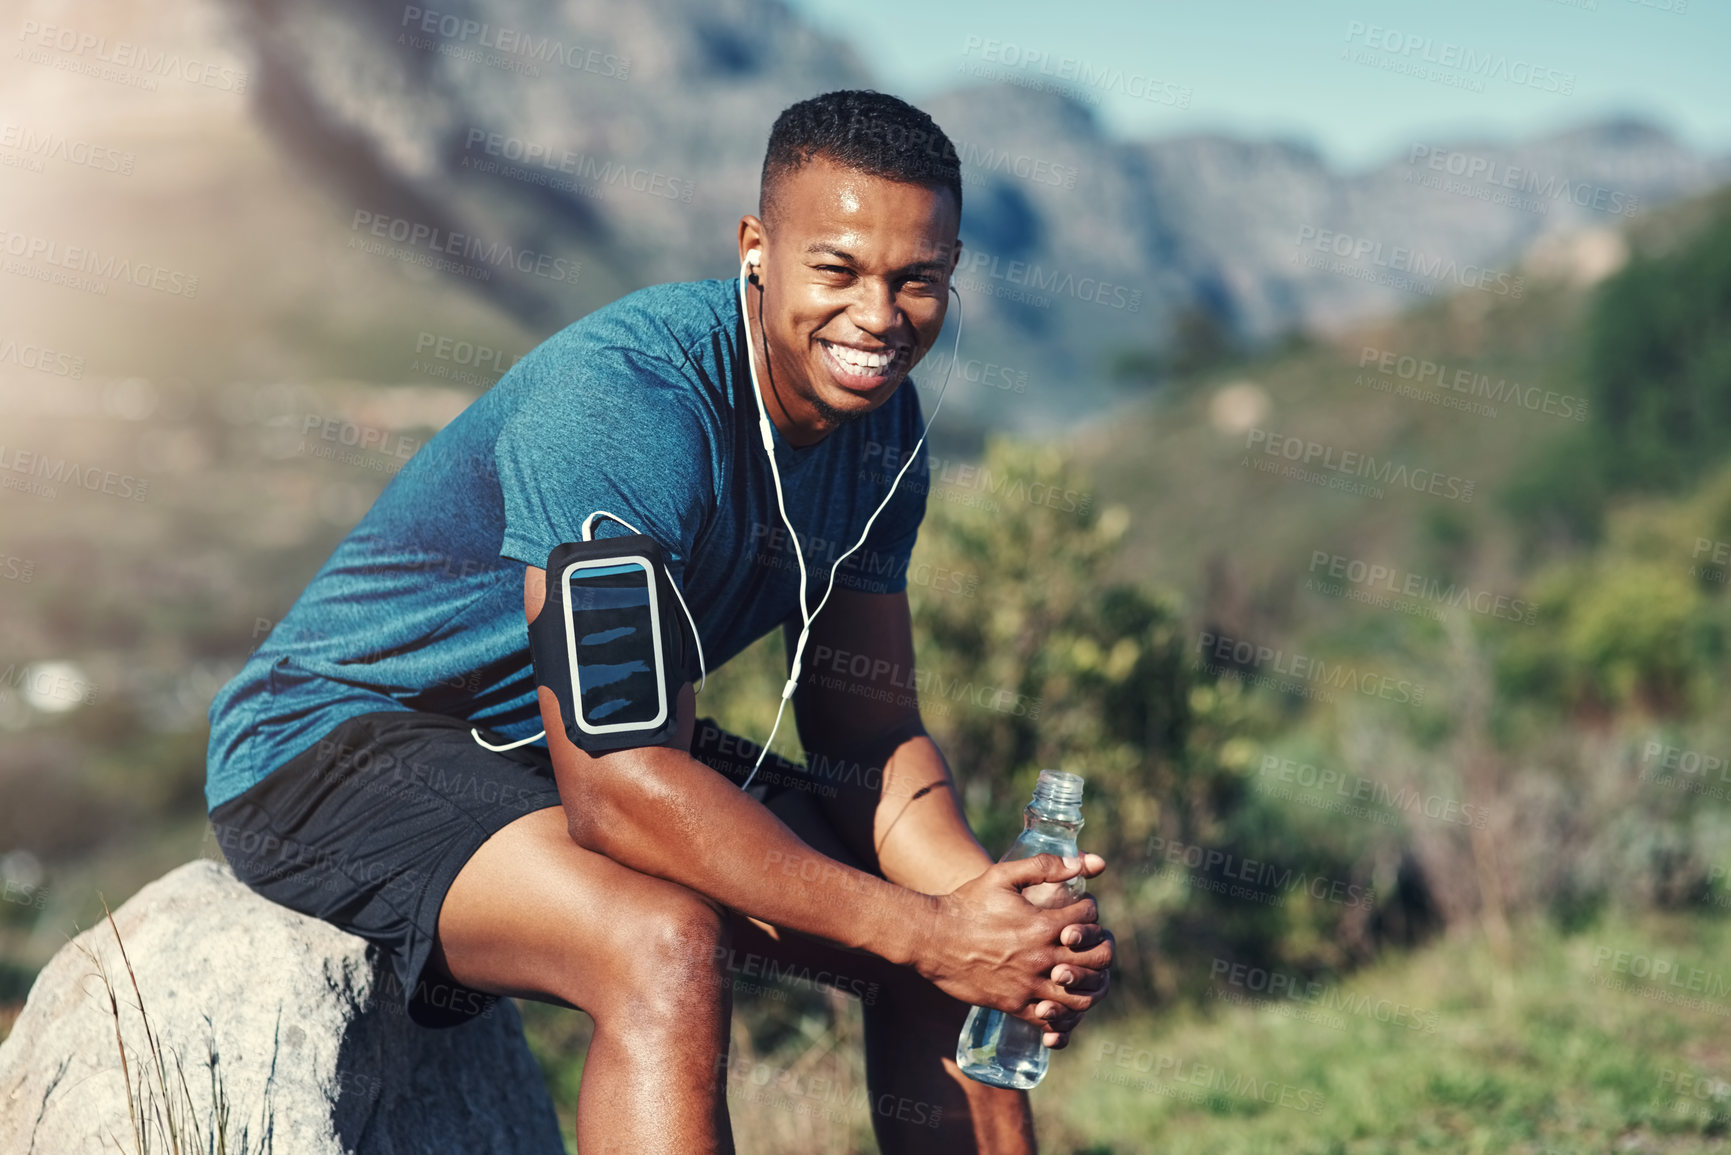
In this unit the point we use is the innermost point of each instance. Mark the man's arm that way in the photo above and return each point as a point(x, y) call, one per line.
point(857, 703)
point(660, 811)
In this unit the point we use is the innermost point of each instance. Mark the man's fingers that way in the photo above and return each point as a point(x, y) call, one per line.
point(1064, 997)
point(1079, 982)
point(1049, 1015)
point(1083, 911)
point(1092, 865)
point(1091, 982)
point(1057, 1029)
point(1056, 1017)
point(1021, 873)
point(1076, 976)
point(1096, 959)
point(1083, 935)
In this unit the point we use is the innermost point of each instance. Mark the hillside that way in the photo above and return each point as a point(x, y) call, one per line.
point(1469, 387)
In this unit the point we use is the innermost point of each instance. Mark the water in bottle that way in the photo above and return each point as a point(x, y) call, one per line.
point(995, 1048)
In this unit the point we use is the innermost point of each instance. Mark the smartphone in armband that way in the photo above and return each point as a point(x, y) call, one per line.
point(610, 642)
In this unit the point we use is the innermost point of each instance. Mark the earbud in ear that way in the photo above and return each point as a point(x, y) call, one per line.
point(753, 257)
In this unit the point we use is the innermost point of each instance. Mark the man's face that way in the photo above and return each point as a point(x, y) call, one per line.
point(854, 280)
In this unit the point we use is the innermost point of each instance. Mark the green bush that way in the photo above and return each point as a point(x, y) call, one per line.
point(1637, 626)
point(1655, 357)
point(1658, 356)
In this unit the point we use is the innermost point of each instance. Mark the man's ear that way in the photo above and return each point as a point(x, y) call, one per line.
point(752, 235)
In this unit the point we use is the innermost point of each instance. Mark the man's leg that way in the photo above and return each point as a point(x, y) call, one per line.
point(910, 1029)
point(534, 915)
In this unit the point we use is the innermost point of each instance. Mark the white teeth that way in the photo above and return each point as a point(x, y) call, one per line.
point(859, 360)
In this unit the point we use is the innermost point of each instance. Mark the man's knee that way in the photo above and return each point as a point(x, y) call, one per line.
point(685, 939)
point(671, 959)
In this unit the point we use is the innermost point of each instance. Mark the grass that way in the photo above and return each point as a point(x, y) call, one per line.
point(1437, 1051)
point(1538, 1058)
point(163, 1115)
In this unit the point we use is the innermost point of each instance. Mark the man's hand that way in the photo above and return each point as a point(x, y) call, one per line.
point(993, 948)
point(912, 825)
point(1082, 938)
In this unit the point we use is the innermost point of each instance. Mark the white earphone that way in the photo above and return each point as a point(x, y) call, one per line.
point(753, 258)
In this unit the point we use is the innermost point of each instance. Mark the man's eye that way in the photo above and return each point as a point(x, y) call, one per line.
point(832, 269)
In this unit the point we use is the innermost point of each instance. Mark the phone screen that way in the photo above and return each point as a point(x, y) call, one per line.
point(615, 645)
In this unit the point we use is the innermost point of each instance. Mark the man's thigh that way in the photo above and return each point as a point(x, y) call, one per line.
point(534, 915)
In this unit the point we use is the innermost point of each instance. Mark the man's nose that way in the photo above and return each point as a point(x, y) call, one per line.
point(874, 309)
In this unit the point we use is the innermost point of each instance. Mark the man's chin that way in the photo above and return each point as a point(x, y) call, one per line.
point(855, 406)
point(838, 404)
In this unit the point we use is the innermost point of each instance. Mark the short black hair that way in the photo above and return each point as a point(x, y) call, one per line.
point(867, 131)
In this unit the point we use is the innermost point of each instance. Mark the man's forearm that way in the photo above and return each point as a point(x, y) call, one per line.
point(664, 813)
point(919, 830)
point(902, 798)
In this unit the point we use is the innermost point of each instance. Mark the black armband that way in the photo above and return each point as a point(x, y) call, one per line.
point(610, 642)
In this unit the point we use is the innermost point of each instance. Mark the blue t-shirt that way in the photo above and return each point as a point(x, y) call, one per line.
point(643, 408)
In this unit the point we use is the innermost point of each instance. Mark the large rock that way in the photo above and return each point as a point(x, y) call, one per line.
point(314, 1053)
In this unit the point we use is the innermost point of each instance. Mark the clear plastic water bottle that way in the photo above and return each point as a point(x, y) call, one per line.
point(995, 1048)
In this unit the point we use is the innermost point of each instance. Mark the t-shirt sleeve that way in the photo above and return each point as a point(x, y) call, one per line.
point(614, 430)
point(882, 562)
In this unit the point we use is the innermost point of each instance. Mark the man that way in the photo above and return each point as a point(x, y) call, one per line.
point(627, 883)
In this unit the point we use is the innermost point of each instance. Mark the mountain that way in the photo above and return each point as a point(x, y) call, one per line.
point(1078, 246)
point(1252, 209)
point(537, 161)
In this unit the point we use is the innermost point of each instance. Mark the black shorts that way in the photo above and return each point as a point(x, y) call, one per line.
point(367, 828)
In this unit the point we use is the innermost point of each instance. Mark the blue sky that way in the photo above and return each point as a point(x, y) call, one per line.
point(1271, 68)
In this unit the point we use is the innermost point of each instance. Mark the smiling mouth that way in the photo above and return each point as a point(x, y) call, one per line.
point(861, 369)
